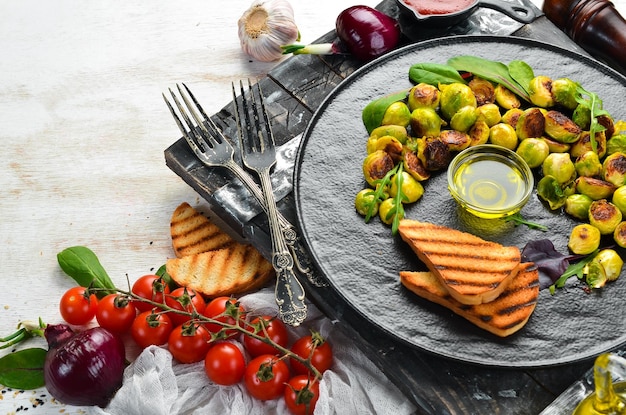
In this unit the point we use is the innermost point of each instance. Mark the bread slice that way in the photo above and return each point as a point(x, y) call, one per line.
point(503, 316)
point(233, 270)
point(473, 270)
point(193, 233)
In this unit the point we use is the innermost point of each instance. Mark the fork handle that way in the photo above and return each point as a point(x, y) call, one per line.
point(289, 293)
point(294, 243)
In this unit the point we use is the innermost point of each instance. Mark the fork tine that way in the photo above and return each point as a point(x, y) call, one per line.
point(215, 135)
point(176, 117)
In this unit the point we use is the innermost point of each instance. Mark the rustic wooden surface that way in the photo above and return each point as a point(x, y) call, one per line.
point(83, 134)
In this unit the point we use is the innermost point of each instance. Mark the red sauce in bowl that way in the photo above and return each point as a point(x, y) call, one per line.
point(426, 7)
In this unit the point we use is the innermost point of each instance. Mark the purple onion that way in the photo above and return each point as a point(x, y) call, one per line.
point(84, 368)
point(367, 32)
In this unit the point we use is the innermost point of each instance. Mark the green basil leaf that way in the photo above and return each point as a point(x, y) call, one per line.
point(522, 73)
point(374, 112)
point(491, 70)
point(23, 369)
point(434, 74)
point(82, 264)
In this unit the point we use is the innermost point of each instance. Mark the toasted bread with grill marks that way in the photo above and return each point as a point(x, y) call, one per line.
point(473, 270)
point(193, 233)
point(503, 316)
point(233, 270)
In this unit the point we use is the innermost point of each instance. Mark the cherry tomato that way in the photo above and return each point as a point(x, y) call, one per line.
point(276, 331)
point(149, 328)
point(151, 287)
point(317, 348)
point(184, 299)
point(76, 307)
point(115, 313)
point(217, 307)
point(189, 343)
point(301, 395)
point(224, 363)
point(266, 376)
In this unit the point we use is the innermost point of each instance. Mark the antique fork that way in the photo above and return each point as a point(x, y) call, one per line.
point(259, 155)
point(213, 149)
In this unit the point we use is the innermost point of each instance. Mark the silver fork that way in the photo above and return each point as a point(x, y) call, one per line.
point(213, 149)
point(259, 155)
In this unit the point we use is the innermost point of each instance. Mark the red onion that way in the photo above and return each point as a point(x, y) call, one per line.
point(83, 368)
point(364, 32)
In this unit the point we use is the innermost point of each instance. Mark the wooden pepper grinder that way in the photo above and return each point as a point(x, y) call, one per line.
point(595, 25)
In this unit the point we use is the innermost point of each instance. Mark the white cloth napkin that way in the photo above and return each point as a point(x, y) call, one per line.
point(157, 385)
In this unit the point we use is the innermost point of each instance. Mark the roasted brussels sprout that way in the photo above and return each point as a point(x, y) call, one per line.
point(411, 188)
point(455, 140)
point(483, 90)
point(604, 215)
point(464, 118)
point(511, 116)
point(425, 122)
point(540, 91)
point(454, 97)
point(584, 239)
point(531, 124)
point(595, 275)
point(397, 131)
point(614, 169)
point(503, 135)
point(596, 189)
point(588, 164)
point(534, 151)
point(555, 146)
point(559, 166)
point(376, 165)
point(505, 98)
point(577, 205)
point(565, 92)
point(434, 154)
point(584, 144)
point(620, 127)
point(413, 165)
point(387, 210)
point(615, 144)
point(619, 235)
point(365, 200)
point(489, 113)
point(550, 190)
point(386, 143)
point(619, 199)
point(582, 116)
point(611, 262)
point(479, 133)
point(423, 95)
point(560, 127)
point(397, 114)
point(609, 127)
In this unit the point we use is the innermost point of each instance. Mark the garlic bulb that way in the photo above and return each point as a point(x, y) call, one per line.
point(265, 27)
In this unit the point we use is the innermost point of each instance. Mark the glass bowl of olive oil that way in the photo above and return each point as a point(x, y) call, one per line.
point(490, 181)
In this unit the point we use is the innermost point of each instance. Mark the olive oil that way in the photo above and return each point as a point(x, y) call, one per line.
point(490, 183)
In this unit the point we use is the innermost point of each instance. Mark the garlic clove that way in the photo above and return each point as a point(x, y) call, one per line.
point(265, 27)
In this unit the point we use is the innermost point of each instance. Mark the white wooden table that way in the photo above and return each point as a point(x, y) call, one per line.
point(83, 128)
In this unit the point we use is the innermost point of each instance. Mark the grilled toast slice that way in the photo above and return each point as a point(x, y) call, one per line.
point(209, 260)
point(503, 316)
point(473, 270)
point(193, 233)
point(233, 270)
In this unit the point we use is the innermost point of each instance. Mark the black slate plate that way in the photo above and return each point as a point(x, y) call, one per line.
point(361, 261)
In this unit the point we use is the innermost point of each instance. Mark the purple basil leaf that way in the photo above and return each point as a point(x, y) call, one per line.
point(550, 263)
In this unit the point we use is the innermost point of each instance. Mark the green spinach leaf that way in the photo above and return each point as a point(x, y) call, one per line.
point(491, 70)
point(374, 112)
point(23, 369)
point(434, 74)
point(522, 73)
point(82, 264)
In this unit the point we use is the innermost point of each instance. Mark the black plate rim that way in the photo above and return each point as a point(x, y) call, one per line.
point(491, 362)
